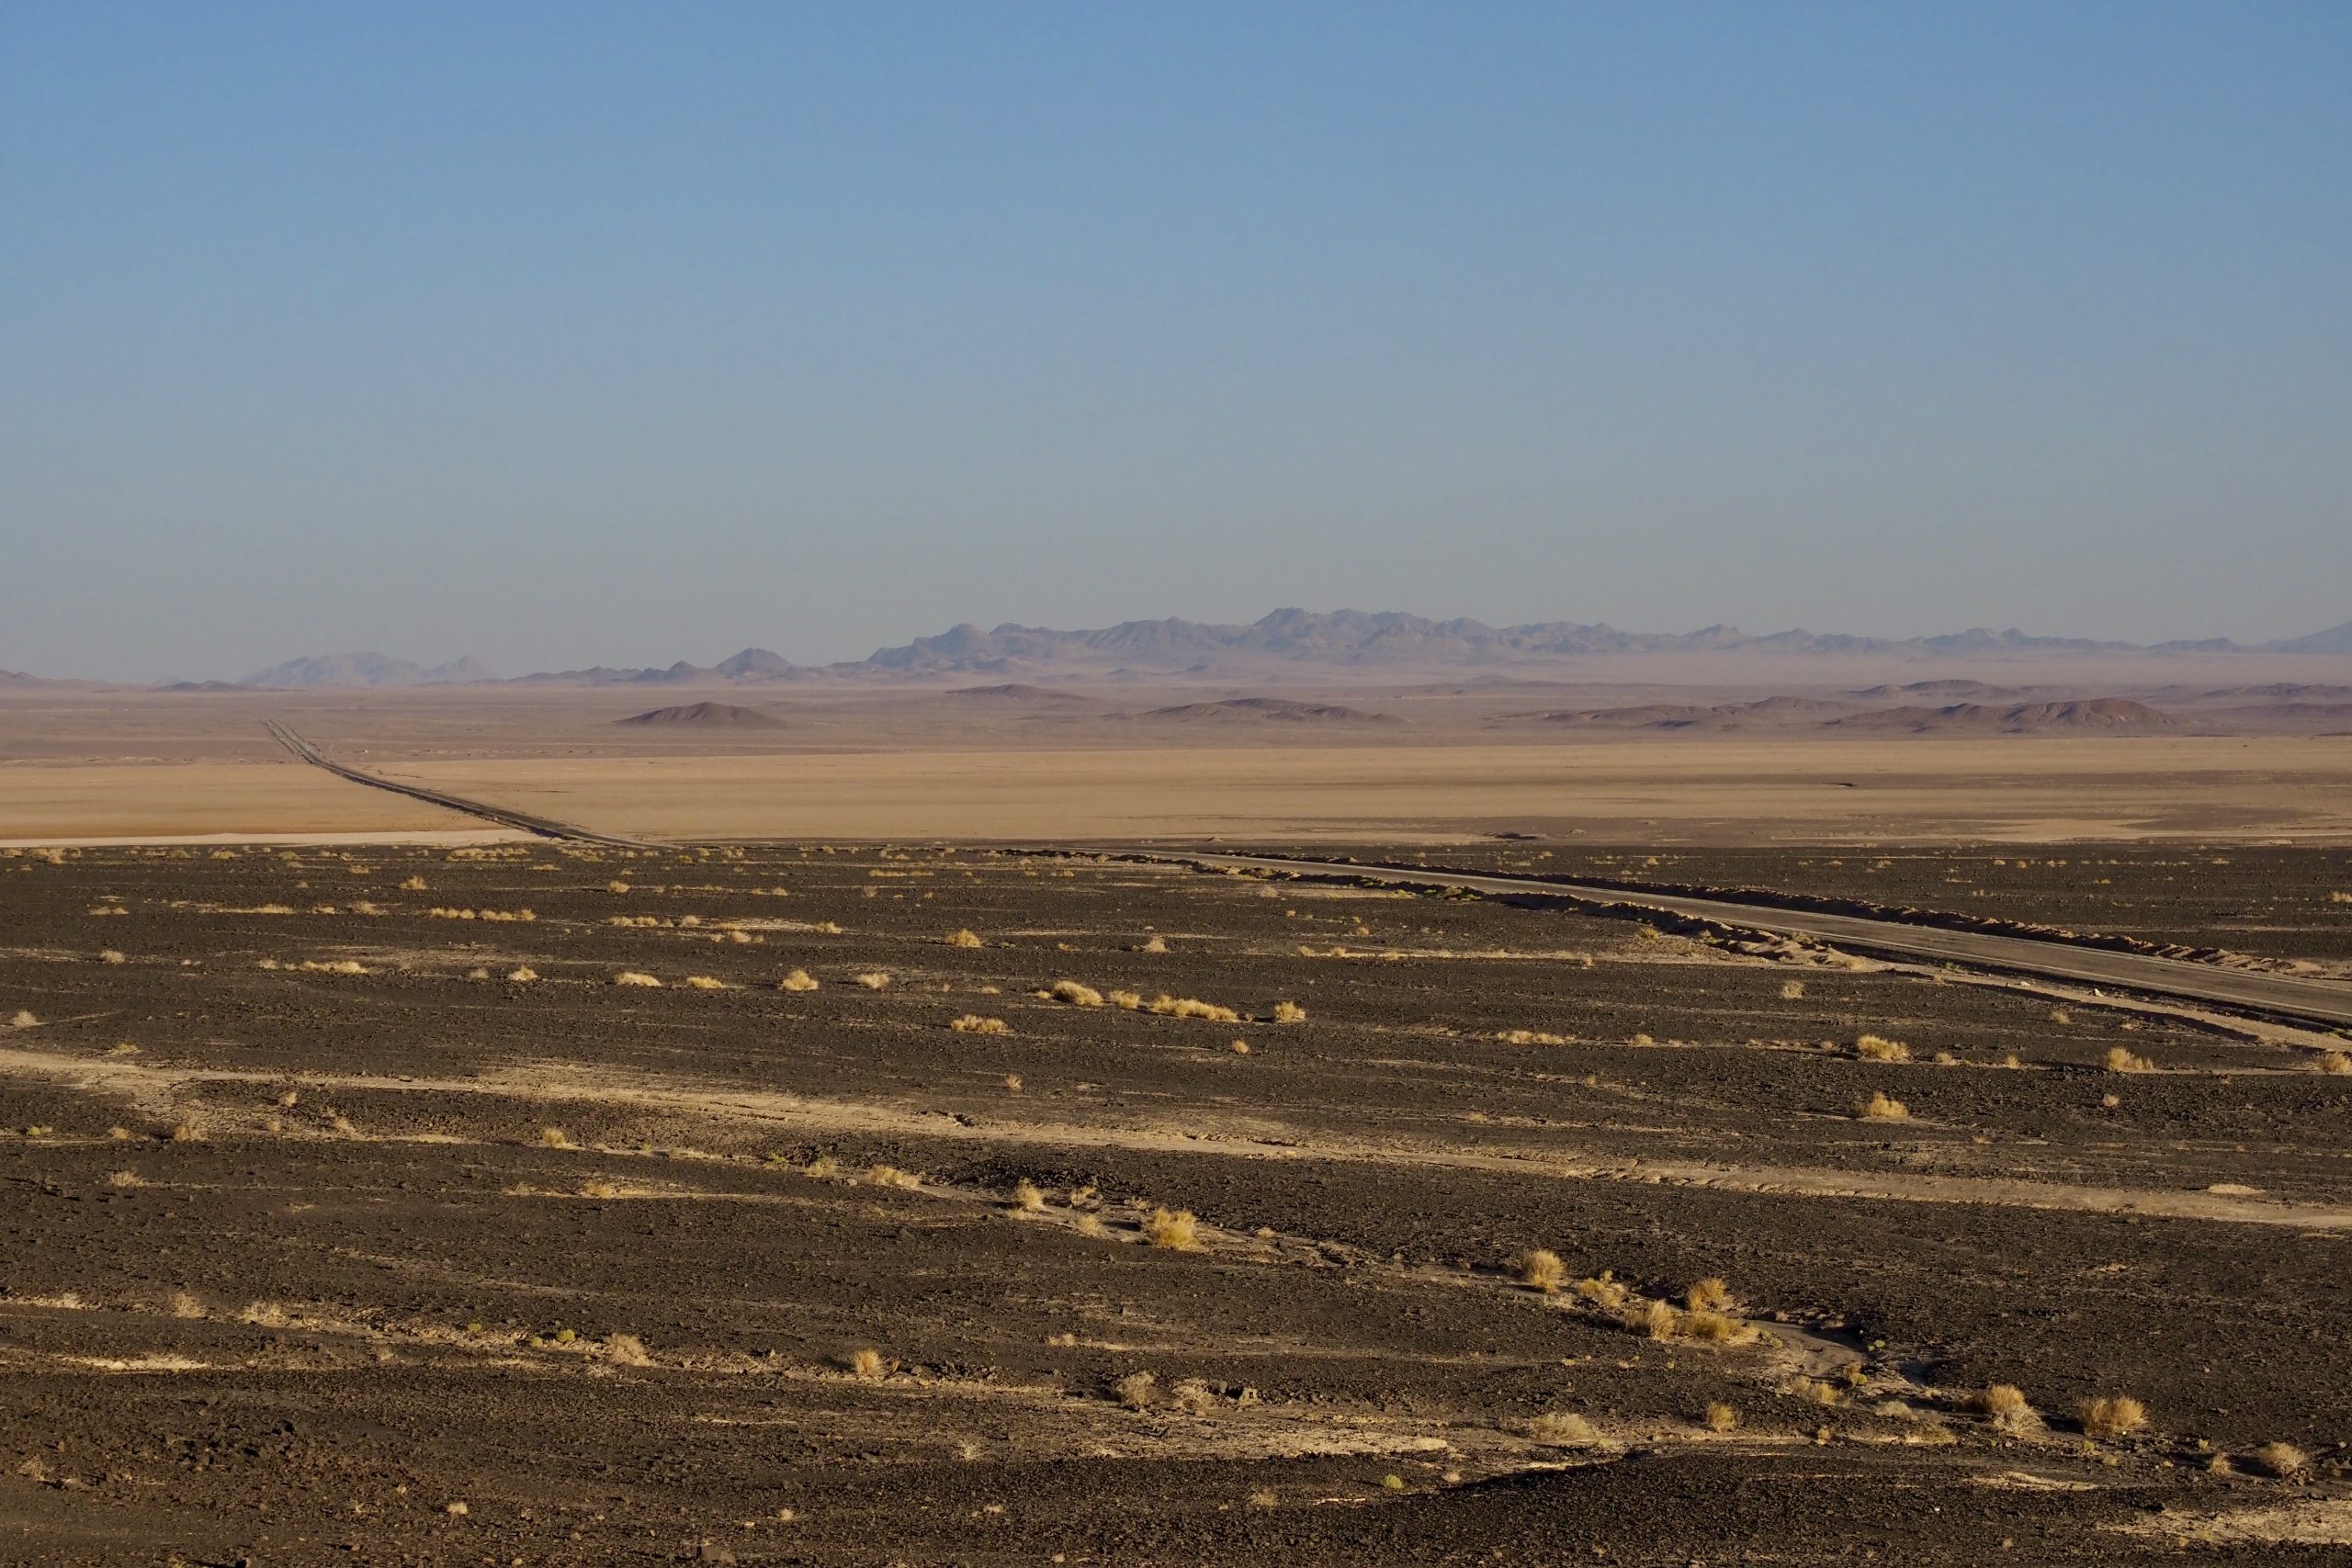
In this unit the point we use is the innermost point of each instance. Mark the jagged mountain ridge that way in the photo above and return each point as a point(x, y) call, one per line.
point(1339, 638)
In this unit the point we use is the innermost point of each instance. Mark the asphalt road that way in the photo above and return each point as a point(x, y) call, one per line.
point(546, 826)
point(2281, 995)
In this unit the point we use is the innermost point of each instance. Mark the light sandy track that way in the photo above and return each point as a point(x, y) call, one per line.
point(2318, 1000)
point(154, 1089)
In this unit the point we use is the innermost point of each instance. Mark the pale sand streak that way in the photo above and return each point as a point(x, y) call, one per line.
point(153, 1088)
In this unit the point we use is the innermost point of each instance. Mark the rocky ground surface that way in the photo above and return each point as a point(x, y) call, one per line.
point(375, 1205)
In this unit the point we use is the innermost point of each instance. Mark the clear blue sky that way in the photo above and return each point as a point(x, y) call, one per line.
point(575, 332)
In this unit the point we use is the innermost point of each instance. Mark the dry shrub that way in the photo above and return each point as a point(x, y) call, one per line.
point(111, 956)
point(1659, 1320)
point(413, 884)
point(522, 975)
point(2111, 1415)
point(121, 1179)
point(1028, 1196)
point(1710, 1294)
point(555, 1138)
point(1561, 1428)
point(1879, 1048)
point(1289, 1012)
point(1530, 1037)
point(23, 1019)
point(633, 978)
point(891, 1175)
point(2006, 1405)
point(873, 980)
point(1879, 1107)
point(868, 1365)
point(477, 973)
point(704, 983)
point(1175, 1229)
point(1186, 1007)
point(973, 1023)
point(1013, 1083)
point(964, 939)
point(2335, 1064)
point(1603, 1291)
point(1812, 1391)
point(2060, 1015)
point(1540, 1269)
point(1192, 1397)
point(625, 1350)
point(1154, 943)
point(821, 1166)
point(1131, 1000)
point(1075, 994)
point(798, 980)
point(1791, 990)
point(2120, 1060)
point(1713, 1327)
point(1719, 1417)
point(186, 1305)
point(1136, 1390)
point(2282, 1459)
point(616, 885)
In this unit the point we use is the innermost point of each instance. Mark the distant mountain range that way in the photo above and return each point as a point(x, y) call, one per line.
point(1301, 639)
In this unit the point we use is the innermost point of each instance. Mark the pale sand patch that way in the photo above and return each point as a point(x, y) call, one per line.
point(43, 803)
point(156, 1090)
point(1902, 790)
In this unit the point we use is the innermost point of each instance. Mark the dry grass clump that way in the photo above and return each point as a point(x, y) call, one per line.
point(2006, 1405)
point(124, 1178)
point(1192, 1397)
point(1791, 990)
point(1659, 1320)
point(973, 1023)
point(1530, 1037)
point(1187, 1007)
point(1562, 1430)
point(23, 1019)
point(1879, 1048)
point(873, 979)
point(625, 1350)
point(2282, 1459)
point(1710, 1294)
point(1540, 1269)
point(2120, 1060)
point(1154, 943)
point(413, 884)
point(330, 966)
point(1289, 1012)
point(1881, 1106)
point(2336, 1064)
point(704, 983)
point(522, 975)
point(634, 978)
point(112, 956)
point(1719, 1417)
point(964, 939)
point(1075, 994)
point(891, 1175)
point(2111, 1415)
point(867, 1364)
point(1028, 1196)
point(1131, 1000)
point(616, 885)
point(1136, 1390)
point(798, 980)
point(1604, 1290)
point(1175, 1229)
point(1812, 1391)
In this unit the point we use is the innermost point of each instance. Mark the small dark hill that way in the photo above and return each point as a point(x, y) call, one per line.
point(1014, 692)
point(2093, 713)
point(1277, 709)
point(713, 716)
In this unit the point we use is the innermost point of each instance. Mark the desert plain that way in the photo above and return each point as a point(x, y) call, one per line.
point(900, 1158)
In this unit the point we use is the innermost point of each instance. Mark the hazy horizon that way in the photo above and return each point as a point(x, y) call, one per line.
point(561, 336)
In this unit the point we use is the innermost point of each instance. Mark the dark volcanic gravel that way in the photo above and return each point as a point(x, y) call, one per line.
point(326, 1240)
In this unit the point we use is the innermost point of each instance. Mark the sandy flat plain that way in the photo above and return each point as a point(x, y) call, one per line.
point(926, 764)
